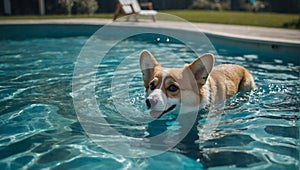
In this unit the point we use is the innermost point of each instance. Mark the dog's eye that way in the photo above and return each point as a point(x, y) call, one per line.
point(152, 86)
point(172, 88)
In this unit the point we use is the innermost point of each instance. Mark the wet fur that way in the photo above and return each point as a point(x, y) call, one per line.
point(199, 83)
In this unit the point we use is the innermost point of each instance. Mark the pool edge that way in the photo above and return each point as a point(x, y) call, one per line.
point(202, 27)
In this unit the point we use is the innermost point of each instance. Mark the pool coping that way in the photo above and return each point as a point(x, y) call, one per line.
point(245, 33)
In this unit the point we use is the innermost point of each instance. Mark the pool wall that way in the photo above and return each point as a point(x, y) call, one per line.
point(29, 31)
point(288, 51)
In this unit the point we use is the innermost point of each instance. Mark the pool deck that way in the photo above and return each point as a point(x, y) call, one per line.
point(237, 31)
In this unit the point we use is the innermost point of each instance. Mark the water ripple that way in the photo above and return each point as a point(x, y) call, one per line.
point(39, 128)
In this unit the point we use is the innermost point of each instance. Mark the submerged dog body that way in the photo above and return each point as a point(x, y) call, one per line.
point(195, 85)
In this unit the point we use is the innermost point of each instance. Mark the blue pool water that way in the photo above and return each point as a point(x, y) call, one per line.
point(39, 127)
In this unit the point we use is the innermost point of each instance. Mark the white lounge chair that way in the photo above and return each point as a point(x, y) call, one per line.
point(128, 7)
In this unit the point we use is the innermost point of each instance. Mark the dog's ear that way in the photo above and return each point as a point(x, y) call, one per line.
point(147, 61)
point(201, 67)
point(147, 65)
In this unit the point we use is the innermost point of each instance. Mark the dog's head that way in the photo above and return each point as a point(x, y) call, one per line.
point(167, 88)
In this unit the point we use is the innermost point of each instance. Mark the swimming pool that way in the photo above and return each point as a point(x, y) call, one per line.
point(40, 129)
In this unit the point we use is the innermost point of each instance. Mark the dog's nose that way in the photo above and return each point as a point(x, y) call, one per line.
point(151, 102)
point(148, 103)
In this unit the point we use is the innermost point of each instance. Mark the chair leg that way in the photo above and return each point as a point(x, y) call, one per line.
point(136, 17)
point(117, 12)
point(153, 18)
point(115, 17)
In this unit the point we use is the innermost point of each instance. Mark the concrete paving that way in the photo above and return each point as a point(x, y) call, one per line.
point(244, 32)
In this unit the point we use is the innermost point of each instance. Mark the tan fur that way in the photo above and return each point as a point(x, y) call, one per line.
point(227, 79)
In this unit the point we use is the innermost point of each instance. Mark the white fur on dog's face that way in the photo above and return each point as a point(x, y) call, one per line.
point(158, 99)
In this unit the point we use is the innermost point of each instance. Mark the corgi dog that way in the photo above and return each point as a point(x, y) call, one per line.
point(195, 85)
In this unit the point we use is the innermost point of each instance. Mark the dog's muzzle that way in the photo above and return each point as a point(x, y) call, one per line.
point(157, 102)
point(149, 103)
